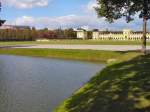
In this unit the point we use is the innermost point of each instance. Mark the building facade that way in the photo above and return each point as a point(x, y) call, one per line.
point(126, 34)
point(82, 34)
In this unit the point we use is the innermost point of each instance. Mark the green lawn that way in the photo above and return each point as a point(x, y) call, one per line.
point(120, 87)
point(88, 42)
point(87, 55)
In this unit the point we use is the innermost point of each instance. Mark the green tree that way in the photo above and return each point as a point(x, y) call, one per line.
point(116, 9)
point(34, 33)
point(69, 33)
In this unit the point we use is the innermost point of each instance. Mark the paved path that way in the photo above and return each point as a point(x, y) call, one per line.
point(91, 47)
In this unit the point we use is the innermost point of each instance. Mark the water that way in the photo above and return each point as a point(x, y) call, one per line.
point(40, 85)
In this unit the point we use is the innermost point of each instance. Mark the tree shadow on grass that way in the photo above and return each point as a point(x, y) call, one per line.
point(123, 87)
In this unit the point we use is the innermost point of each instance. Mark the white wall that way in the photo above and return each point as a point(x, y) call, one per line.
point(82, 35)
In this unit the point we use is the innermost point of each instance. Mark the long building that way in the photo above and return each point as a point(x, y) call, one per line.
point(126, 34)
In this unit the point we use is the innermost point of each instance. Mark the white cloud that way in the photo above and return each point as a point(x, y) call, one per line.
point(117, 25)
point(55, 22)
point(26, 3)
point(89, 8)
point(88, 19)
point(91, 5)
point(75, 21)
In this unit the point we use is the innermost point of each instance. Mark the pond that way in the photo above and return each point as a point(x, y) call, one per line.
point(39, 85)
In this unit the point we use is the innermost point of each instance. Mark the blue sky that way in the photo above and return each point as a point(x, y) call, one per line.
point(54, 8)
point(59, 13)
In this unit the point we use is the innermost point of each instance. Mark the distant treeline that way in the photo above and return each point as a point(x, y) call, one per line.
point(33, 34)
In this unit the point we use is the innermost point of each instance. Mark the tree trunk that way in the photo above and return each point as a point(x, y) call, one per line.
point(144, 35)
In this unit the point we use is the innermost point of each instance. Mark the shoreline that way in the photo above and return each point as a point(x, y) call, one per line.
point(108, 90)
point(72, 54)
point(123, 68)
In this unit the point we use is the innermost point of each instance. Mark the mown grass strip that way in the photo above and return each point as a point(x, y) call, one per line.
point(75, 41)
point(120, 87)
point(87, 55)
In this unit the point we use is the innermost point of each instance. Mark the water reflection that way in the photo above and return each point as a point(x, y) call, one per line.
point(39, 85)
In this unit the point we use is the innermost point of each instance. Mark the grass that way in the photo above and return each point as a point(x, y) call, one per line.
point(87, 42)
point(120, 87)
point(123, 86)
point(87, 55)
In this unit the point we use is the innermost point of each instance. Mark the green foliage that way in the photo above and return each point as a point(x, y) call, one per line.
point(69, 33)
point(121, 87)
point(33, 34)
point(115, 9)
point(65, 34)
point(15, 34)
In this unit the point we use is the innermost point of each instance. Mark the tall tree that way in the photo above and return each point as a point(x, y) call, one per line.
point(116, 9)
point(69, 33)
point(34, 33)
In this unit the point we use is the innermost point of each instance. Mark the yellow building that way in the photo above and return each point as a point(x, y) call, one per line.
point(82, 34)
point(126, 34)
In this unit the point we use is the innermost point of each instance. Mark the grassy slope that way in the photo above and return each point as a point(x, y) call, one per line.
point(89, 42)
point(89, 55)
point(120, 87)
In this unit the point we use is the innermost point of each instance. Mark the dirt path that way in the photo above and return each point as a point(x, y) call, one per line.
point(91, 47)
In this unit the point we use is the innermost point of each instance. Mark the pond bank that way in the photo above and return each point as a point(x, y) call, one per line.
point(123, 86)
point(85, 55)
point(120, 87)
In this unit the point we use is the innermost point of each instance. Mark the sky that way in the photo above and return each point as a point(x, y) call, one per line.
point(54, 14)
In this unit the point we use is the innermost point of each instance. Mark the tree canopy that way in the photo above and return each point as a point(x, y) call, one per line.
point(116, 9)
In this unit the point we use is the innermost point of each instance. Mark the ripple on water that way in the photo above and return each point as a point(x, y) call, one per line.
point(39, 85)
